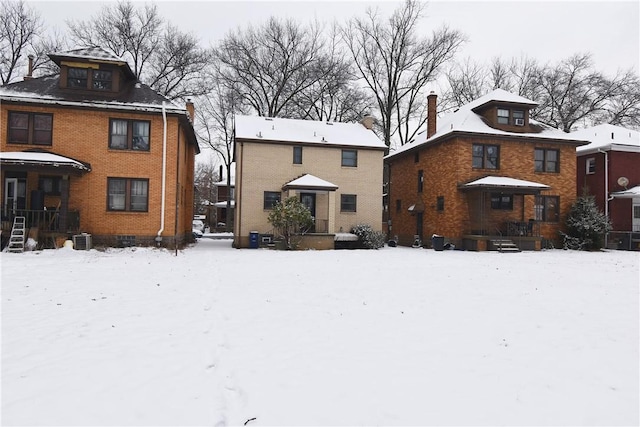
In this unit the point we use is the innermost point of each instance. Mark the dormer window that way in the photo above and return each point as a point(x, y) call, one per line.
point(503, 116)
point(102, 79)
point(518, 117)
point(85, 78)
point(77, 77)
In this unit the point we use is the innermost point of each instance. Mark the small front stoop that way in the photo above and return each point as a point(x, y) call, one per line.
point(504, 245)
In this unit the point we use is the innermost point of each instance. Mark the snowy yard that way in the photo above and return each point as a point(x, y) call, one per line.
point(398, 336)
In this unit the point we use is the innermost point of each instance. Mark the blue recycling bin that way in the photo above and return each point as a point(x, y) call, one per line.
point(254, 240)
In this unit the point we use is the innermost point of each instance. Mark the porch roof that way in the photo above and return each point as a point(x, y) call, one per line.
point(504, 183)
point(42, 159)
point(224, 204)
point(308, 181)
point(627, 194)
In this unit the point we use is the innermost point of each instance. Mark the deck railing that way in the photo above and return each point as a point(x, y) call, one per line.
point(44, 220)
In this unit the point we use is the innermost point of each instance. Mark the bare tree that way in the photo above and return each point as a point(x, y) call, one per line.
point(270, 64)
point(396, 64)
point(205, 177)
point(19, 25)
point(162, 56)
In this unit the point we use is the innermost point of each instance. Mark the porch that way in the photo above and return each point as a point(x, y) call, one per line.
point(46, 226)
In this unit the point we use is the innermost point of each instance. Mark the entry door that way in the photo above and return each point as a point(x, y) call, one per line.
point(635, 224)
point(419, 225)
point(308, 200)
point(15, 195)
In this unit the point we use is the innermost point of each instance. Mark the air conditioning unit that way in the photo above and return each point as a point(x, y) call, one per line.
point(82, 242)
point(519, 122)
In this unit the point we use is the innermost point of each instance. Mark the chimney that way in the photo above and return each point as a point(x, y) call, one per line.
point(431, 114)
point(191, 110)
point(29, 76)
point(367, 121)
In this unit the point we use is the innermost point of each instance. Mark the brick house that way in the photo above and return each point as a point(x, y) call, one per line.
point(485, 174)
point(91, 149)
point(334, 168)
point(609, 169)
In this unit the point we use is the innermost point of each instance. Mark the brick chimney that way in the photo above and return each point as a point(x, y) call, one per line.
point(191, 110)
point(431, 114)
point(29, 76)
point(367, 121)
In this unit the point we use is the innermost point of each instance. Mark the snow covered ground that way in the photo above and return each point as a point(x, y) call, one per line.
point(397, 336)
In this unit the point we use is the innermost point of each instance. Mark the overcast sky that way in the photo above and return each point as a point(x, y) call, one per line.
point(546, 31)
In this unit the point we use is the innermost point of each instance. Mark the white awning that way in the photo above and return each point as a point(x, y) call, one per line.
point(627, 194)
point(502, 182)
point(33, 158)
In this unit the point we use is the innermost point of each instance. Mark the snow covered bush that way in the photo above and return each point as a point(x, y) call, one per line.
point(586, 225)
point(368, 237)
point(290, 218)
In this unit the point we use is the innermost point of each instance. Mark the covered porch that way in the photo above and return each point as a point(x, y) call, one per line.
point(35, 185)
point(502, 212)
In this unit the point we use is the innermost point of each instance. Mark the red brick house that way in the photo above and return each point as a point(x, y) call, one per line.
point(91, 149)
point(609, 169)
point(485, 176)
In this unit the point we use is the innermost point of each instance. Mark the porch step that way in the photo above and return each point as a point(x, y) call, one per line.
point(504, 245)
point(18, 235)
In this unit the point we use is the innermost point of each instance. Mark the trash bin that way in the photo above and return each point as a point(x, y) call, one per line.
point(254, 239)
point(437, 242)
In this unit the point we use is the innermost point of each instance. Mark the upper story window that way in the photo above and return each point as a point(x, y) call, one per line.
point(518, 117)
point(128, 194)
point(30, 128)
point(297, 155)
point(85, 78)
point(350, 158)
point(503, 116)
point(129, 134)
point(486, 156)
point(440, 203)
point(591, 166)
point(547, 160)
point(420, 180)
point(416, 157)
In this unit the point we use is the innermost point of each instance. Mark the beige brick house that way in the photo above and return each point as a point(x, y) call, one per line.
point(91, 149)
point(334, 168)
point(484, 175)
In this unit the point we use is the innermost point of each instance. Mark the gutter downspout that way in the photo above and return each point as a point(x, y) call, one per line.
point(606, 191)
point(164, 173)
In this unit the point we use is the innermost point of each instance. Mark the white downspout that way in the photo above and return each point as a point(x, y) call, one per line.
point(164, 172)
point(606, 182)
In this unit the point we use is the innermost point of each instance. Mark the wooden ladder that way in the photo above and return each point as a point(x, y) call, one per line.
point(18, 235)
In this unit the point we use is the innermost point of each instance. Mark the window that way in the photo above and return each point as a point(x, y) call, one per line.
point(50, 185)
point(127, 194)
point(486, 156)
point(547, 208)
point(420, 181)
point(350, 158)
point(502, 201)
point(297, 155)
point(270, 199)
point(398, 205)
point(101, 80)
point(546, 160)
point(503, 116)
point(77, 77)
point(129, 134)
point(30, 128)
point(591, 166)
point(518, 117)
point(416, 157)
point(347, 203)
point(440, 203)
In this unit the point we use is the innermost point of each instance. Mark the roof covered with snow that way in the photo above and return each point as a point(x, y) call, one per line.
point(95, 52)
point(310, 181)
point(627, 194)
point(608, 138)
point(466, 120)
point(505, 182)
point(270, 129)
point(41, 159)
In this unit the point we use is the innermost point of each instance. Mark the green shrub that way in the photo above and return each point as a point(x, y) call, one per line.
point(368, 237)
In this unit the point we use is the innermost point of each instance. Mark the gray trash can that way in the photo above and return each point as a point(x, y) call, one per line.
point(437, 242)
point(254, 239)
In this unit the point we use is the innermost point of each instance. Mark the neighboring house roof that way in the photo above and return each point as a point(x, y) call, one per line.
point(311, 182)
point(606, 137)
point(498, 182)
point(305, 131)
point(627, 194)
point(34, 158)
point(466, 120)
point(224, 204)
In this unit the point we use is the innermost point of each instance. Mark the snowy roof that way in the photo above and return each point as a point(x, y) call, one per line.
point(504, 182)
point(40, 159)
point(608, 138)
point(467, 120)
point(310, 181)
point(627, 194)
point(224, 204)
point(95, 52)
point(306, 131)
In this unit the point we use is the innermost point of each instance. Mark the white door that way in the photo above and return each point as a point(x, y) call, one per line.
point(10, 195)
point(635, 222)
